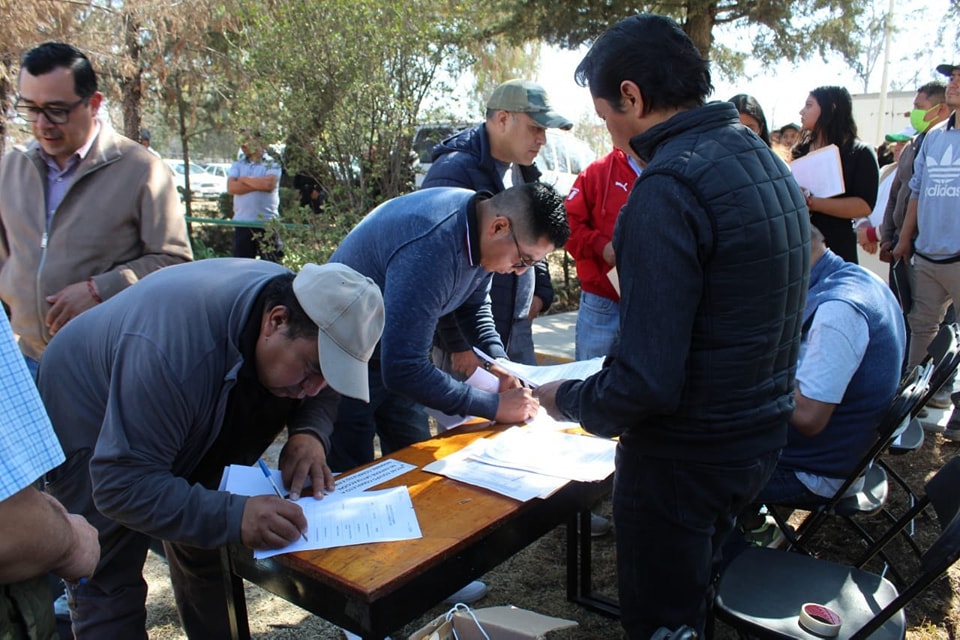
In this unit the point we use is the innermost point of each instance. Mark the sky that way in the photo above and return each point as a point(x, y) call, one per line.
point(781, 90)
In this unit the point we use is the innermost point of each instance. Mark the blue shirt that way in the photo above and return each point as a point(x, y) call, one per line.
point(256, 205)
point(28, 446)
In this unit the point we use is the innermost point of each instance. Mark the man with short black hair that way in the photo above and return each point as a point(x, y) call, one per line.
point(84, 212)
point(254, 182)
point(154, 393)
point(789, 134)
point(432, 252)
point(145, 141)
point(712, 251)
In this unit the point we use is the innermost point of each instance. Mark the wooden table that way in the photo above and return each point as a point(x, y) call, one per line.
point(373, 589)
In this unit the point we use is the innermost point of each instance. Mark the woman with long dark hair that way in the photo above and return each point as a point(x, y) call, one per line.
point(751, 115)
point(827, 118)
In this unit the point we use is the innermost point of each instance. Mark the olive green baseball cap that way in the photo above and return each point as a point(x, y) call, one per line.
point(527, 97)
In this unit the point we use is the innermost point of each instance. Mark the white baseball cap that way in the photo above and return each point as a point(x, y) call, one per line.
point(348, 310)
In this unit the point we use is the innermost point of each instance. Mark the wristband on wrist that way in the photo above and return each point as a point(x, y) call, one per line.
point(92, 288)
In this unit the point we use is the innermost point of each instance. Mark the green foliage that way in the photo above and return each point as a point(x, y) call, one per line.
point(771, 31)
point(211, 242)
point(341, 83)
point(309, 237)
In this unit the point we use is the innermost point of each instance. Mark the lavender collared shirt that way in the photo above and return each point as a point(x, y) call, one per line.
point(59, 180)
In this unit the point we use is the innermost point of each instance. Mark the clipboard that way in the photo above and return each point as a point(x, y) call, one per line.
point(820, 172)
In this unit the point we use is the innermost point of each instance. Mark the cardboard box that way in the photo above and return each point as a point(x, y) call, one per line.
point(500, 623)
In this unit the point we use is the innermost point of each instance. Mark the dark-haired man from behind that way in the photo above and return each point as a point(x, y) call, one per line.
point(712, 251)
point(84, 212)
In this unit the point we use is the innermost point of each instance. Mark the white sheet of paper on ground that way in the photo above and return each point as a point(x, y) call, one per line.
point(536, 375)
point(355, 518)
point(513, 483)
point(481, 379)
point(553, 453)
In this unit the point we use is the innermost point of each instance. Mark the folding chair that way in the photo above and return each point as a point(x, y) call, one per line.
point(872, 496)
point(762, 590)
point(943, 353)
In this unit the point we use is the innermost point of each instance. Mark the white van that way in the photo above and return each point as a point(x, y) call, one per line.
point(560, 160)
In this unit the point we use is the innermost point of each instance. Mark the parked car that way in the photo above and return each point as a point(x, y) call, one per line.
point(203, 185)
point(560, 160)
point(218, 169)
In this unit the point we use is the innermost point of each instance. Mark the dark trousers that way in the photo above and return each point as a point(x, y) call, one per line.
point(112, 603)
point(671, 520)
point(398, 420)
point(253, 243)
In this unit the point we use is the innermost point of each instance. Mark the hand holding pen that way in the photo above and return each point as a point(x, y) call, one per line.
point(269, 525)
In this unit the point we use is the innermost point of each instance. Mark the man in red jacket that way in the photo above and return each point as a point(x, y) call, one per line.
point(592, 208)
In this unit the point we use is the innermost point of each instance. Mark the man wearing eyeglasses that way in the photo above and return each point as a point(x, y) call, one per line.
point(84, 212)
point(432, 252)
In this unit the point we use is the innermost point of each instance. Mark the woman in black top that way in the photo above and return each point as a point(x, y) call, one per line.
point(827, 118)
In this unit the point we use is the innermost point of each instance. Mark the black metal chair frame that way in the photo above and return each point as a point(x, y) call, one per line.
point(940, 492)
point(893, 422)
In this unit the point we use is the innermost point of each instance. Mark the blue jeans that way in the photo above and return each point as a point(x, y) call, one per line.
point(672, 518)
point(398, 420)
point(784, 488)
point(598, 326)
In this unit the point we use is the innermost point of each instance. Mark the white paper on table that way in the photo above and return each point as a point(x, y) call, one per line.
point(513, 483)
point(354, 518)
point(249, 481)
point(820, 172)
point(553, 453)
point(535, 376)
point(481, 379)
point(386, 469)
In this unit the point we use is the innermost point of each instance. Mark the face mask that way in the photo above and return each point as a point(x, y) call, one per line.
point(918, 121)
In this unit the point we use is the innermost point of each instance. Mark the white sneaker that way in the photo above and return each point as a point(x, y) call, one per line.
point(469, 594)
point(599, 526)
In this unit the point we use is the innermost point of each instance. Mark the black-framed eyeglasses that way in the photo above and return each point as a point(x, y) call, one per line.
point(525, 263)
point(56, 115)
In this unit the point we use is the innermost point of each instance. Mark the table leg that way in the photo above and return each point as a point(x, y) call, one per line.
point(580, 568)
point(236, 599)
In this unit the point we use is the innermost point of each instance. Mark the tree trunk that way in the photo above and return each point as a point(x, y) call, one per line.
point(701, 15)
point(4, 98)
point(185, 142)
point(131, 85)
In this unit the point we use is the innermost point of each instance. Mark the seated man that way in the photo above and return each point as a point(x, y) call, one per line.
point(850, 357)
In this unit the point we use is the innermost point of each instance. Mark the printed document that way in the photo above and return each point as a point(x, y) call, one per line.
point(535, 376)
point(820, 172)
point(349, 515)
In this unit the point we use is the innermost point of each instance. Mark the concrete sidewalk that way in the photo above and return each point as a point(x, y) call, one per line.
point(554, 337)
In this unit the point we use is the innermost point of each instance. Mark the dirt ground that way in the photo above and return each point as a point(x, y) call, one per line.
point(535, 579)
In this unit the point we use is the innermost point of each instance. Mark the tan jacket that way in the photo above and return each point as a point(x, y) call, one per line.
point(119, 221)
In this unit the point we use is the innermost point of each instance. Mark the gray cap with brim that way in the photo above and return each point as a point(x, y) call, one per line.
point(527, 97)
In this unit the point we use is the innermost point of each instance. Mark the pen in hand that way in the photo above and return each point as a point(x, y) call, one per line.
point(276, 489)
